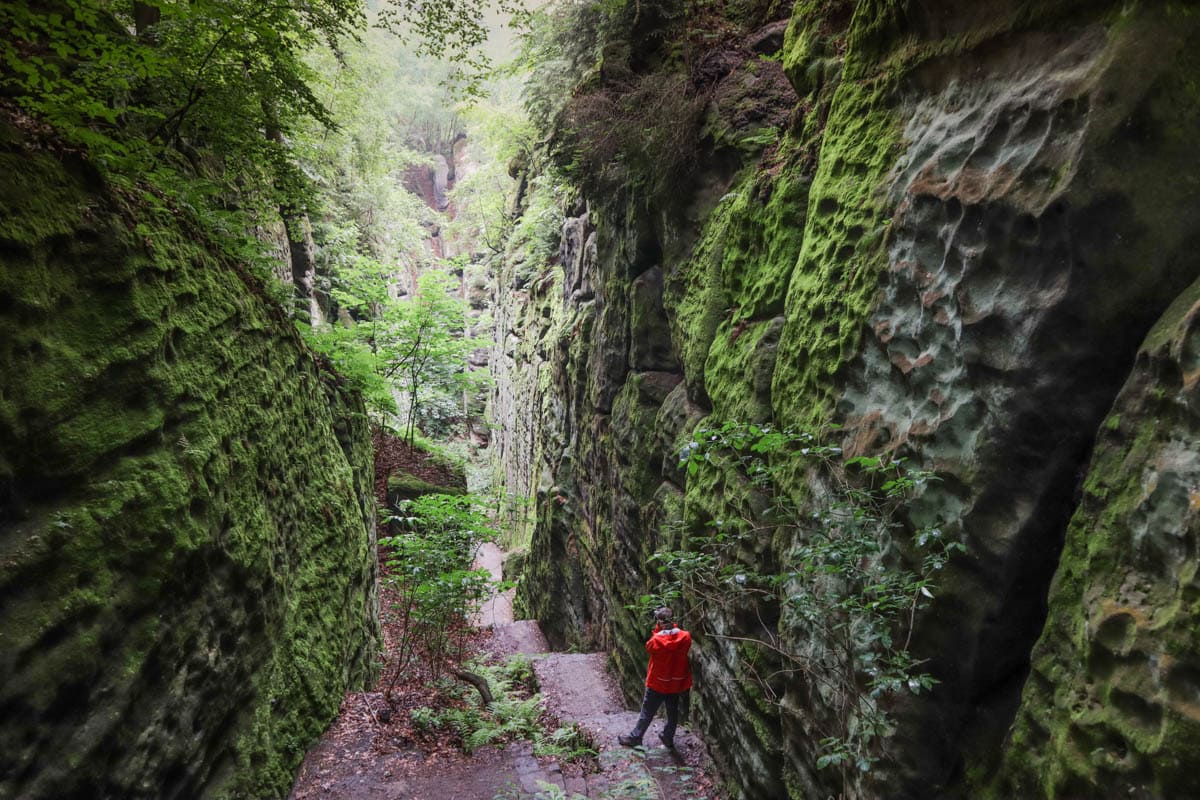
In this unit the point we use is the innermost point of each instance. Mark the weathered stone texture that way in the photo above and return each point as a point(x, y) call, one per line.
point(972, 218)
point(1026, 260)
point(187, 557)
point(1111, 705)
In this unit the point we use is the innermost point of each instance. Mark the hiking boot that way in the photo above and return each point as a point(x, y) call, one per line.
point(629, 741)
point(667, 743)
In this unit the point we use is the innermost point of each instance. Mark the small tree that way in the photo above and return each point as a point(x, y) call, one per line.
point(430, 567)
point(416, 346)
point(424, 344)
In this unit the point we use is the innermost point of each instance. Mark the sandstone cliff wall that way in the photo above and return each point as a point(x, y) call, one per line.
point(1110, 708)
point(965, 223)
point(186, 513)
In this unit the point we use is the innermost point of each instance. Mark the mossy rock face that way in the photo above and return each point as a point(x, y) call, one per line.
point(1111, 707)
point(186, 506)
point(1027, 256)
point(514, 565)
point(403, 486)
point(974, 216)
point(650, 348)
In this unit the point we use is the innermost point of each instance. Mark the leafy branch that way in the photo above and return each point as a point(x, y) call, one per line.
point(434, 585)
point(833, 618)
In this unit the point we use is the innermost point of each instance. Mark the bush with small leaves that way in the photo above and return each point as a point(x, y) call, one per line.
point(838, 609)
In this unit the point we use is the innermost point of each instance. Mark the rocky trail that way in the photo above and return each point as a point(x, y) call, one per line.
point(575, 688)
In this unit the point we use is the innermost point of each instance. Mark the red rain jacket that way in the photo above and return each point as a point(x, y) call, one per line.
point(669, 671)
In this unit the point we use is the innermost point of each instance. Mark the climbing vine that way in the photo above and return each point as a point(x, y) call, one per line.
point(834, 618)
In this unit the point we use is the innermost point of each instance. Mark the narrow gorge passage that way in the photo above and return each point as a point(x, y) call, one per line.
point(575, 689)
point(864, 335)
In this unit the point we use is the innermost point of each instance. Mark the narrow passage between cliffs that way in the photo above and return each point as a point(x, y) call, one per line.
point(352, 763)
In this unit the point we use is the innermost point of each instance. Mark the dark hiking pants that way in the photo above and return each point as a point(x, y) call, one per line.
point(650, 703)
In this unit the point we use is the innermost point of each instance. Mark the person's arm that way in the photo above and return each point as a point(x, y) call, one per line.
point(650, 641)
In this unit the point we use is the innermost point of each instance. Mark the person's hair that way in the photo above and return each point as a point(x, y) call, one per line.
point(663, 614)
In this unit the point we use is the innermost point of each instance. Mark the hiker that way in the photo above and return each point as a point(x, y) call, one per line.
point(668, 678)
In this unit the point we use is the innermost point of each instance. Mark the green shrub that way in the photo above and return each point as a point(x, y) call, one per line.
point(515, 714)
point(430, 569)
point(838, 607)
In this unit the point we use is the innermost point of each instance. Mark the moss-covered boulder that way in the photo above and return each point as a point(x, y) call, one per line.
point(186, 513)
point(403, 486)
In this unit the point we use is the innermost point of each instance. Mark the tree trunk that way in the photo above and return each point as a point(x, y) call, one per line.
point(145, 16)
point(304, 262)
point(479, 682)
point(302, 252)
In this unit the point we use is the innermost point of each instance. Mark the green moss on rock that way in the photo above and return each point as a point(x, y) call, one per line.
point(696, 300)
point(403, 486)
point(833, 287)
point(188, 545)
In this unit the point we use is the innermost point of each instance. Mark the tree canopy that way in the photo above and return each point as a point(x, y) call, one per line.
point(308, 119)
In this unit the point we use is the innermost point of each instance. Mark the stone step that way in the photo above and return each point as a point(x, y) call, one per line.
point(577, 688)
point(524, 636)
point(533, 776)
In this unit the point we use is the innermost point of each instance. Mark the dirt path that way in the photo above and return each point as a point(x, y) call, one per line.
point(575, 687)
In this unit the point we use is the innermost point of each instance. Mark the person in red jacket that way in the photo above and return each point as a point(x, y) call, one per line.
point(668, 678)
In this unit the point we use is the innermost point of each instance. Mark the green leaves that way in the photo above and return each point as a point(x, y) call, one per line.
point(848, 587)
point(432, 578)
point(417, 345)
point(769, 442)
